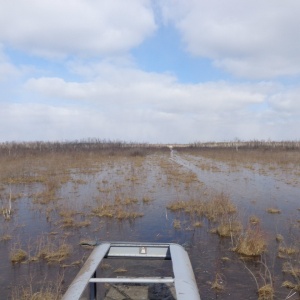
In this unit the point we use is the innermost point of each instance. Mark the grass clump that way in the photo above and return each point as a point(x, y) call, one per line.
point(219, 206)
point(18, 255)
point(213, 209)
point(279, 238)
point(177, 224)
point(118, 210)
point(53, 253)
point(5, 237)
point(197, 224)
point(229, 229)
point(283, 251)
point(288, 268)
point(273, 210)
point(290, 285)
point(253, 220)
point(266, 292)
point(251, 243)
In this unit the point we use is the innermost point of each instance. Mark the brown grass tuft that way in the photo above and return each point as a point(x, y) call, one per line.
point(229, 229)
point(18, 256)
point(273, 210)
point(254, 220)
point(54, 253)
point(251, 243)
point(266, 292)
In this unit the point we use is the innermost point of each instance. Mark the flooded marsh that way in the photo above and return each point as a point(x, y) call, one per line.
point(237, 213)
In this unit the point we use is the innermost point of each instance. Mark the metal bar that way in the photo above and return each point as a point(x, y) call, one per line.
point(184, 280)
point(80, 282)
point(93, 288)
point(137, 250)
point(185, 283)
point(132, 280)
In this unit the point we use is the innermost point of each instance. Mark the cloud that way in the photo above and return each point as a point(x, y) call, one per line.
point(287, 102)
point(75, 27)
point(128, 104)
point(130, 87)
point(252, 39)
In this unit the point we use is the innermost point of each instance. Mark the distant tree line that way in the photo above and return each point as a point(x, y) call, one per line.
point(88, 145)
point(255, 144)
point(131, 148)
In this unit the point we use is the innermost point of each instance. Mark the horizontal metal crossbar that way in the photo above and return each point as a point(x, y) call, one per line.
point(133, 280)
point(136, 250)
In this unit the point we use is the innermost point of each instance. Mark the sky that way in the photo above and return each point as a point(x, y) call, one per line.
point(154, 71)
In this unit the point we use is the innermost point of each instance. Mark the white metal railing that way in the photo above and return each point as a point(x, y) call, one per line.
point(183, 280)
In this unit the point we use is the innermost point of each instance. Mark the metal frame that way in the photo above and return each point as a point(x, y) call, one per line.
point(184, 280)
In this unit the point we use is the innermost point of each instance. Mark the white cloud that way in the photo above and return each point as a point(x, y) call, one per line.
point(84, 27)
point(287, 101)
point(128, 104)
point(128, 87)
point(253, 39)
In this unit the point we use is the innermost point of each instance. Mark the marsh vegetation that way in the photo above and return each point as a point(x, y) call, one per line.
point(234, 207)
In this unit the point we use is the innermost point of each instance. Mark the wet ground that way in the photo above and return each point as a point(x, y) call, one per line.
point(146, 185)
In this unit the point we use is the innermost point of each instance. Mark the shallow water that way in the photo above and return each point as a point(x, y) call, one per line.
point(160, 179)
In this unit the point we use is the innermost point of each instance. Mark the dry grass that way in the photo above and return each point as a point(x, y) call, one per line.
point(291, 269)
point(252, 242)
point(279, 238)
point(120, 270)
point(273, 210)
point(69, 219)
point(18, 255)
point(290, 285)
point(219, 283)
point(5, 237)
point(229, 229)
point(52, 251)
point(197, 224)
point(283, 251)
point(120, 210)
point(55, 254)
point(39, 289)
point(177, 224)
point(220, 205)
point(26, 294)
point(254, 220)
point(266, 292)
